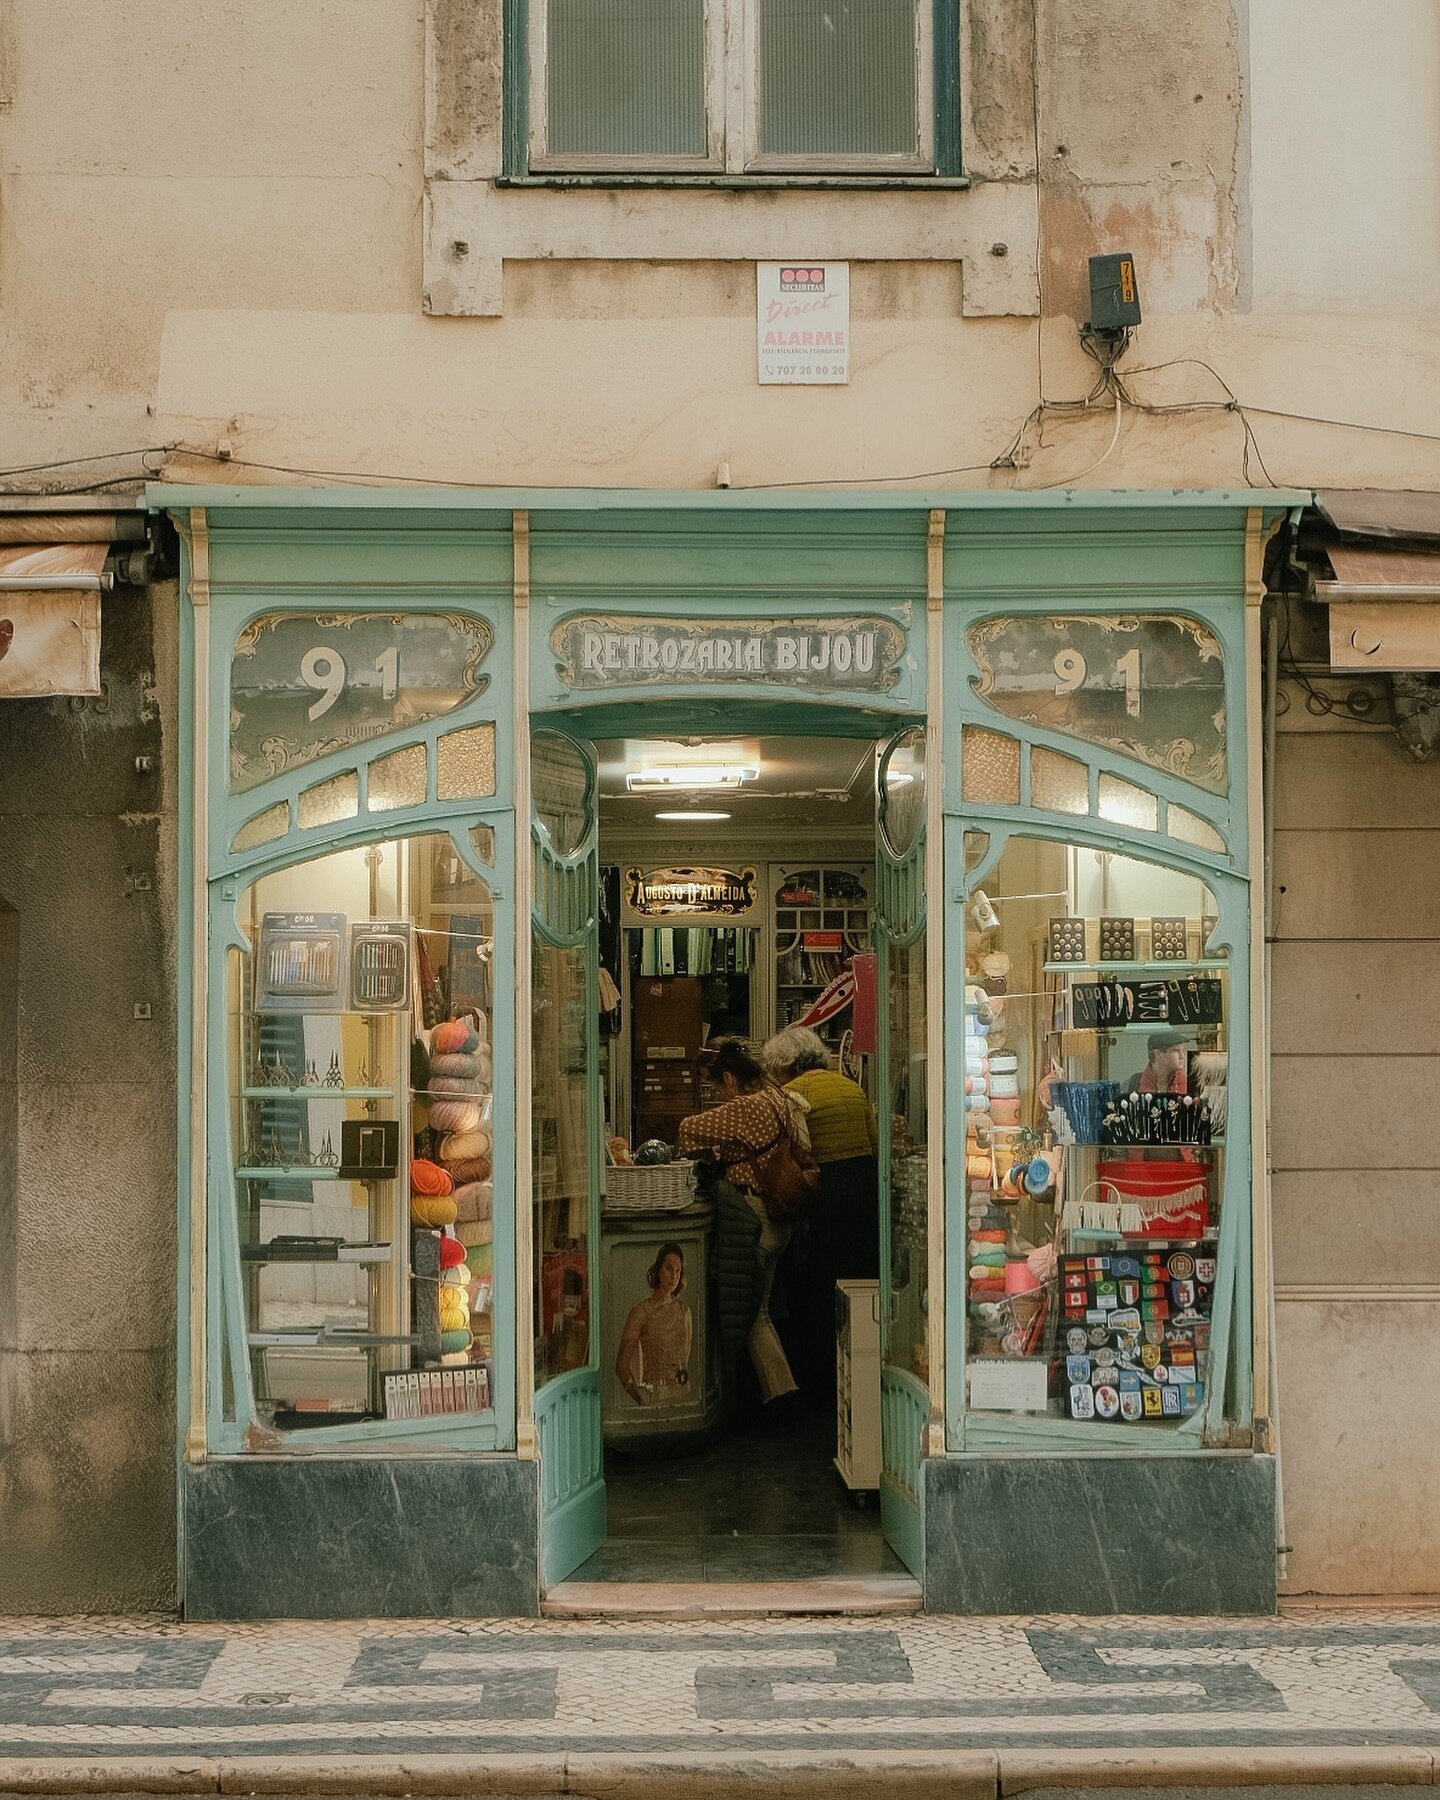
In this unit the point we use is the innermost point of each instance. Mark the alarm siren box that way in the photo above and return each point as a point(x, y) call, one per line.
point(1114, 292)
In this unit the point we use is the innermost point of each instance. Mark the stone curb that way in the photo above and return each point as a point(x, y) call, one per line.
point(780, 1775)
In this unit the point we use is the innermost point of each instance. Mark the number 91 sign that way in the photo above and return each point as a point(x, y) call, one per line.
point(1148, 685)
point(324, 670)
point(305, 685)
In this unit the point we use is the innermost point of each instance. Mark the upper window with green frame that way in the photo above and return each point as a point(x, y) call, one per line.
point(740, 86)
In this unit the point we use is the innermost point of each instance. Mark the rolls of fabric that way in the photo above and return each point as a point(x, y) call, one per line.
point(454, 1115)
point(427, 1177)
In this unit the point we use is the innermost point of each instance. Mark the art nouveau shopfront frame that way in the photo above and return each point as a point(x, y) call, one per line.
point(563, 583)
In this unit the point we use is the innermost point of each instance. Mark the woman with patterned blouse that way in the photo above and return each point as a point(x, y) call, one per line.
point(739, 1134)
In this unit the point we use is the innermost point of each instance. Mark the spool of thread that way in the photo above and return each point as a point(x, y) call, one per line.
point(471, 1169)
point(432, 1210)
point(454, 1035)
point(455, 1343)
point(1019, 1278)
point(474, 1200)
point(452, 1251)
point(457, 1146)
point(455, 1067)
point(429, 1178)
point(454, 1115)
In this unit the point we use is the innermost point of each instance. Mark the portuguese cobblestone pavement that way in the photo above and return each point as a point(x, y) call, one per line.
point(138, 1688)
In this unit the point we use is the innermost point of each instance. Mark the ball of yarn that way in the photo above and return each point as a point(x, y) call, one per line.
point(474, 1199)
point(452, 1252)
point(454, 1115)
point(456, 1359)
point(461, 1144)
point(429, 1178)
point(454, 1312)
point(449, 1036)
point(432, 1210)
point(453, 1342)
point(454, 1086)
point(470, 1169)
point(463, 1068)
point(476, 1236)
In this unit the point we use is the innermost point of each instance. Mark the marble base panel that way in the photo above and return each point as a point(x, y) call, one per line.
point(356, 1537)
point(1100, 1534)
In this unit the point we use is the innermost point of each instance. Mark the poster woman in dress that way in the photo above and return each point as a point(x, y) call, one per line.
point(653, 1360)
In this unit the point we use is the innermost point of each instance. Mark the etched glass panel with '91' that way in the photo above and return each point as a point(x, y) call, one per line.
point(307, 685)
point(1151, 686)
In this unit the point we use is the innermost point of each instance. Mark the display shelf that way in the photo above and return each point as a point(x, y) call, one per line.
point(1136, 968)
point(309, 1250)
point(317, 1093)
point(1150, 1025)
point(314, 1337)
point(287, 1172)
point(1153, 1144)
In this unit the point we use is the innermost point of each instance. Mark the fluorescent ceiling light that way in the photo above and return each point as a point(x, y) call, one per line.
point(660, 777)
point(703, 817)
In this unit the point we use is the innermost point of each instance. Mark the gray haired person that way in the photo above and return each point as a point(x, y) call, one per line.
point(844, 1239)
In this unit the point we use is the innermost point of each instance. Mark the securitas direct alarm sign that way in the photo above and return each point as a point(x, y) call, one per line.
point(802, 319)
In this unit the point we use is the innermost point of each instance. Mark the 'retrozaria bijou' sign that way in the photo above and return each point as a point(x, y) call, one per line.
point(856, 654)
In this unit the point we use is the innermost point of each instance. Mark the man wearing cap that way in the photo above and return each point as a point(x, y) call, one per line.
point(1164, 1073)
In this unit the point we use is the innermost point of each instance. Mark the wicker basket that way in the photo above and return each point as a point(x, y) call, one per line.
point(650, 1187)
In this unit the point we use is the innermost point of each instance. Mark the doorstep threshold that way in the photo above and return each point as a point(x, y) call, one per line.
point(851, 1596)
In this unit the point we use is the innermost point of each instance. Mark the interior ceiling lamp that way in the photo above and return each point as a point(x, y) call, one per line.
point(663, 778)
point(693, 817)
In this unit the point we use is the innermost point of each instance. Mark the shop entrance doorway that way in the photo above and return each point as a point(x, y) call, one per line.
point(728, 1400)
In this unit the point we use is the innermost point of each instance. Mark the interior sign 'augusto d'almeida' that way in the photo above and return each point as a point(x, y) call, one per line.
point(802, 321)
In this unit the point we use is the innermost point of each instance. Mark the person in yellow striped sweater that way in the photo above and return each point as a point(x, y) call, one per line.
point(844, 1226)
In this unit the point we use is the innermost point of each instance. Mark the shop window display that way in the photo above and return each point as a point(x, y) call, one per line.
point(359, 1007)
point(1095, 1042)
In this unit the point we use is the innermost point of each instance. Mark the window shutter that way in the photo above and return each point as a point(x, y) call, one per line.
point(625, 78)
point(838, 77)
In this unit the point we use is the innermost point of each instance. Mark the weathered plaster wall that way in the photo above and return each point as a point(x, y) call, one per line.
point(1356, 1059)
point(87, 1215)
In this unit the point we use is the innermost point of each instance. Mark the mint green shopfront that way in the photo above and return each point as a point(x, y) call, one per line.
point(389, 1394)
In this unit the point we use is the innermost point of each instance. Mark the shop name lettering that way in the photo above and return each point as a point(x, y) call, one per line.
point(594, 654)
point(690, 891)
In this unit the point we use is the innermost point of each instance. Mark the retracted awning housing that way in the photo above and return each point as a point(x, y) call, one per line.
point(54, 566)
point(1376, 558)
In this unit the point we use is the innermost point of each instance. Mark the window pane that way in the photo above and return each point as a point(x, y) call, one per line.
point(350, 1179)
point(1096, 1106)
point(560, 1159)
point(837, 77)
point(906, 1342)
point(626, 77)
